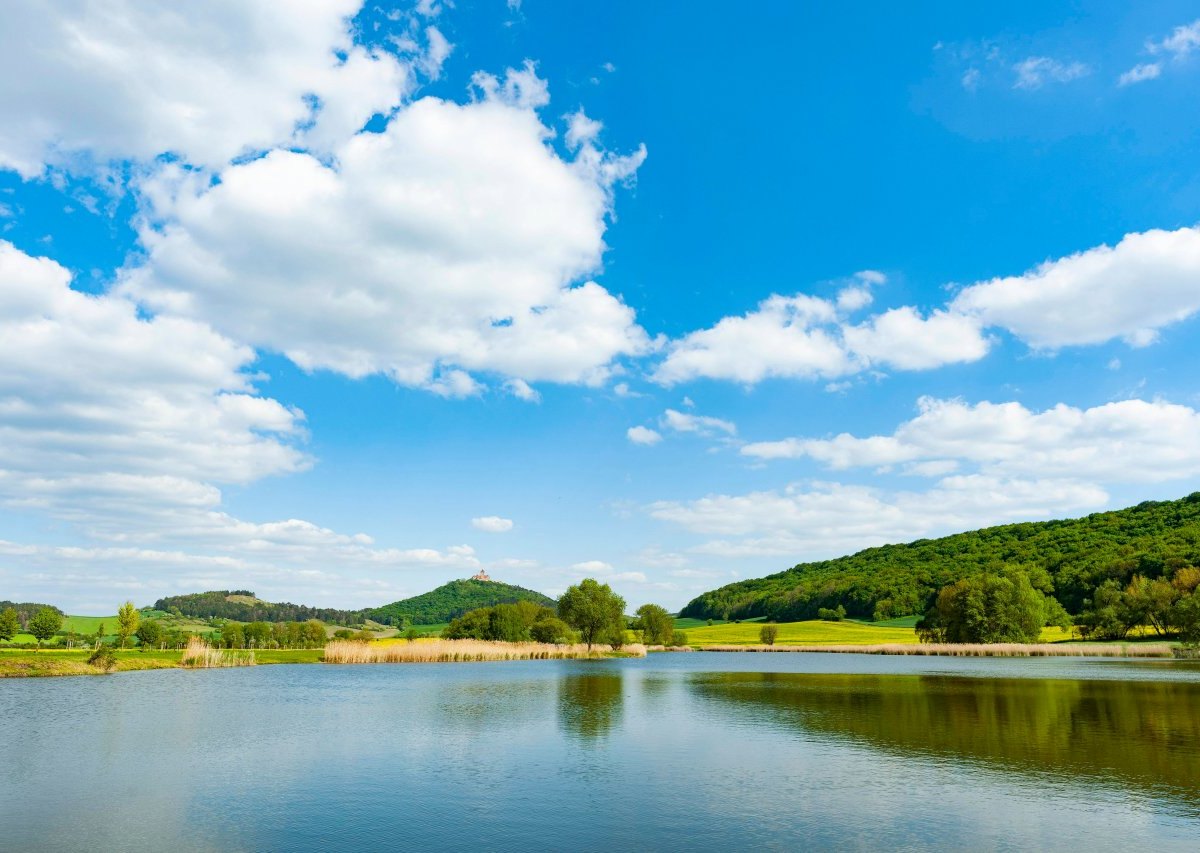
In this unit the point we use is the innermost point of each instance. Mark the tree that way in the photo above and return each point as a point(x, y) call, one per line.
point(990, 608)
point(656, 624)
point(98, 637)
point(9, 623)
point(593, 609)
point(552, 630)
point(149, 634)
point(45, 624)
point(767, 634)
point(127, 622)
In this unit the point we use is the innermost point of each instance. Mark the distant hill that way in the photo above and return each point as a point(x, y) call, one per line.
point(454, 599)
point(1152, 539)
point(244, 606)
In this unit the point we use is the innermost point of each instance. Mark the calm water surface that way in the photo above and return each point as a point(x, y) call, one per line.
point(699, 751)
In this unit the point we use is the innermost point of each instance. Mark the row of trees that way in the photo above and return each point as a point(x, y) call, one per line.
point(589, 612)
point(274, 635)
point(1168, 607)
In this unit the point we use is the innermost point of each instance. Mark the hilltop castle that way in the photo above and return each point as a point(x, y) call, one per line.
point(480, 576)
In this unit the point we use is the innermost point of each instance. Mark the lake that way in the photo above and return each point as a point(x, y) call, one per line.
point(701, 751)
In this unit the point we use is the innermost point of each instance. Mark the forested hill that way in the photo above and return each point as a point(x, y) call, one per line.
point(1152, 539)
point(454, 599)
point(243, 606)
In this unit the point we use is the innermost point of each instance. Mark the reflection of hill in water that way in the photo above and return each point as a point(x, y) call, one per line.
point(590, 705)
point(1145, 733)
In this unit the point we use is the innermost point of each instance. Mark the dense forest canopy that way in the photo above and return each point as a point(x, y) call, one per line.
point(243, 606)
point(1068, 558)
point(452, 600)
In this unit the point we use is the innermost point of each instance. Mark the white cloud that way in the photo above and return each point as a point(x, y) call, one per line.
point(1147, 281)
point(581, 130)
point(131, 80)
point(448, 243)
point(522, 390)
point(492, 524)
point(782, 338)
point(1130, 441)
point(436, 54)
point(1181, 42)
point(903, 339)
point(699, 424)
point(642, 435)
point(1140, 73)
point(126, 427)
point(592, 567)
point(1035, 71)
point(819, 520)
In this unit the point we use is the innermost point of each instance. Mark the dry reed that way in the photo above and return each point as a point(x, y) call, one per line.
point(448, 651)
point(1000, 650)
point(200, 655)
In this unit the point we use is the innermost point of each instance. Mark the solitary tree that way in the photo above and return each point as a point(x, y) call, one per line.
point(656, 623)
point(149, 634)
point(9, 624)
point(768, 633)
point(593, 609)
point(127, 622)
point(45, 624)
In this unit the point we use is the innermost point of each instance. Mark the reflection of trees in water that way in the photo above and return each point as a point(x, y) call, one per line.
point(1147, 733)
point(590, 704)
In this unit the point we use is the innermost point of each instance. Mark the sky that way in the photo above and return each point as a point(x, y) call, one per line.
point(337, 302)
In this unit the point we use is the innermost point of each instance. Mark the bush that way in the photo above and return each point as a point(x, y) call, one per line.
point(552, 630)
point(679, 638)
point(828, 615)
point(768, 634)
point(103, 658)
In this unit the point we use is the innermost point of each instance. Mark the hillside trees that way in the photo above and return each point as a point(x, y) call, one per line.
point(1002, 607)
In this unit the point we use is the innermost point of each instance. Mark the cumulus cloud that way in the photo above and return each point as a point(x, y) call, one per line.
point(130, 80)
point(1130, 441)
point(643, 435)
point(448, 243)
point(492, 524)
point(1131, 290)
point(903, 339)
point(127, 427)
point(818, 520)
point(698, 424)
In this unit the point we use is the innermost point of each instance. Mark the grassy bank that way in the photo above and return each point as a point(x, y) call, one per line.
point(446, 651)
point(21, 663)
point(979, 650)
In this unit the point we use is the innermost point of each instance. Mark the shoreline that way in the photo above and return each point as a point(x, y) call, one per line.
point(1024, 650)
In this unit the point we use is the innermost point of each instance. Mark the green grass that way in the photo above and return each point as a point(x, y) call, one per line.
point(18, 663)
point(813, 632)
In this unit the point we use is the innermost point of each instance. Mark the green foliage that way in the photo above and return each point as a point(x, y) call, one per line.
point(242, 606)
point(45, 624)
point(127, 622)
point(343, 634)
point(9, 623)
point(551, 629)
point(836, 614)
point(593, 609)
point(679, 639)
point(26, 609)
point(511, 623)
point(768, 633)
point(1071, 557)
point(988, 608)
point(1164, 606)
point(656, 625)
point(452, 600)
point(149, 634)
point(103, 657)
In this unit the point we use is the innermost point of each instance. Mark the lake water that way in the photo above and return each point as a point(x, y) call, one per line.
point(700, 751)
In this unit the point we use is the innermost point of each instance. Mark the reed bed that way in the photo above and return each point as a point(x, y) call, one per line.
point(200, 655)
point(458, 651)
point(991, 650)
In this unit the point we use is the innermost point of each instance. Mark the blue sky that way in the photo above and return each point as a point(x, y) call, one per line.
point(342, 304)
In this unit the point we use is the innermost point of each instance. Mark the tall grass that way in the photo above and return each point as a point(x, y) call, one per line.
point(995, 650)
point(446, 651)
point(200, 655)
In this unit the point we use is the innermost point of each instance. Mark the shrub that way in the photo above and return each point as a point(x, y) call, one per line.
point(103, 658)
point(768, 634)
point(552, 630)
point(679, 638)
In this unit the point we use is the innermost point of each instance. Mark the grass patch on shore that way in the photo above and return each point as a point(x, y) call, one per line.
point(816, 632)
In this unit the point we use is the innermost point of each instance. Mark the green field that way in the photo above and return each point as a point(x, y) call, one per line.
point(819, 633)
